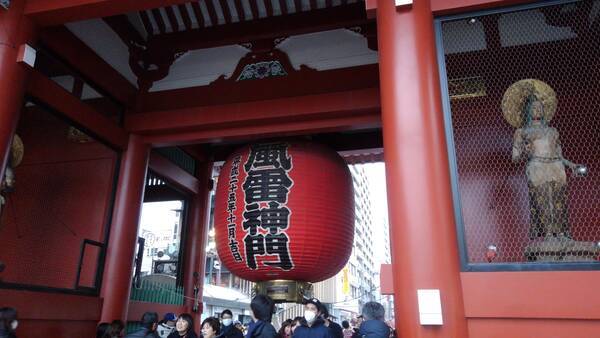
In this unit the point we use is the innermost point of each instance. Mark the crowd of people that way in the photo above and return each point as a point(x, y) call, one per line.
point(316, 323)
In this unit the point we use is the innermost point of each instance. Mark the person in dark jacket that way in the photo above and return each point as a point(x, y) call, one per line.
point(297, 322)
point(8, 322)
point(374, 326)
point(315, 324)
point(335, 328)
point(114, 329)
point(262, 310)
point(228, 330)
point(210, 328)
point(184, 327)
point(149, 324)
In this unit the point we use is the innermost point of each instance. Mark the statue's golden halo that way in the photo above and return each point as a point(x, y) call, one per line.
point(516, 96)
point(17, 151)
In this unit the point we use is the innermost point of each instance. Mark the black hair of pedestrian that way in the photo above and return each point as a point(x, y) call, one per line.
point(114, 329)
point(7, 316)
point(281, 332)
point(189, 319)
point(345, 324)
point(102, 329)
point(262, 307)
point(300, 321)
point(373, 310)
point(213, 322)
point(226, 312)
point(149, 319)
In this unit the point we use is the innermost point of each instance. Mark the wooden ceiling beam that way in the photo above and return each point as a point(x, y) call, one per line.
point(56, 12)
point(162, 28)
point(56, 97)
point(226, 12)
point(172, 19)
point(212, 12)
point(146, 22)
point(268, 7)
point(185, 16)
point(239, 7)
point(198, 14)
point(351, 103)
point(274, 27)
point(75, 53)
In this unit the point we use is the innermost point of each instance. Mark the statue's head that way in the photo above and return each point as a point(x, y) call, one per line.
point(533, 110)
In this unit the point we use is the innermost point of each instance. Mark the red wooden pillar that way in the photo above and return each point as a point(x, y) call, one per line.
point(422, 232)
point(15, 29)
point(195, 255)
point(116, 285)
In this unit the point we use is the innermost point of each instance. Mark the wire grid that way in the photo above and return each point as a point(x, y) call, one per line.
point(560, 45)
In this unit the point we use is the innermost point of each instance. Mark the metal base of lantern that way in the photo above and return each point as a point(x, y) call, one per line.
point(284, 291)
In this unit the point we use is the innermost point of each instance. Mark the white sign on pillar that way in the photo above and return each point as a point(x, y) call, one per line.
point(430, 307)
point(402, 3)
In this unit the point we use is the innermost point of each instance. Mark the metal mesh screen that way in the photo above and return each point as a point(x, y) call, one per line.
point(527, 153)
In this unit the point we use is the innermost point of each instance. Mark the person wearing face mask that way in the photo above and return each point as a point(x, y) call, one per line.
point(227, 328)
point(184, 327)
point(8, 322)
point(262, 310)
point(315, 324)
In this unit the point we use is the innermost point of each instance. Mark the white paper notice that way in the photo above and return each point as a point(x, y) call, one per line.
point(430, 307)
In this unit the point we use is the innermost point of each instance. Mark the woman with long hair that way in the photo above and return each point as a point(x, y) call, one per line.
point(286, 329)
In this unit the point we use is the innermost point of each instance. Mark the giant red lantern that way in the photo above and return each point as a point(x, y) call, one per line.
point(284, 211)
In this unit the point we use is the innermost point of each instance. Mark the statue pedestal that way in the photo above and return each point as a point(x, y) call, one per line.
point(562, 249)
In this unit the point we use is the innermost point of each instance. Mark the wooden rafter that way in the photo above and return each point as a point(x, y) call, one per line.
point(226, 12)
point(248, 31)
point(268, 7)
point(146, 23)
point(284, 8)
point(239, 7)
point(162, 28)
point(83, 59)
point(172, 18)
point(187, 22)
point(254, 9)
point(212, 12)
point(198, 14)
point(56, 12)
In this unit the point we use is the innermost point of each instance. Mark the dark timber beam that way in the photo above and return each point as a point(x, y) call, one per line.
point(56, 12)
point(273, 27)
point(84, 60)
point(56, 97)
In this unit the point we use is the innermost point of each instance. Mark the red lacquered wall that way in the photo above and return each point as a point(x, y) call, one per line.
point(61, 197)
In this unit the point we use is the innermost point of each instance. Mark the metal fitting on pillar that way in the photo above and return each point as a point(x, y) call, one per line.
point(5, 4)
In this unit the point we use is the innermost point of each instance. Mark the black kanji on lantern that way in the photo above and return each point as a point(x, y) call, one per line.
point(255, 246)
point(277, 244)
point(267, 185)
point(266, 189)
point(251, 218)
point(268, 155)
